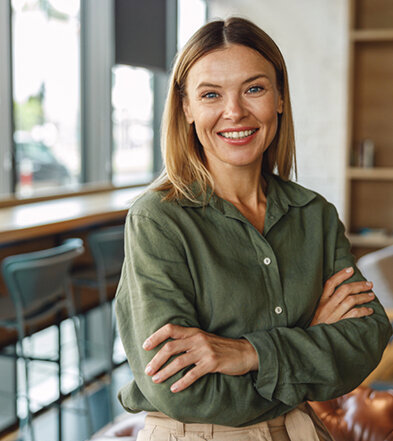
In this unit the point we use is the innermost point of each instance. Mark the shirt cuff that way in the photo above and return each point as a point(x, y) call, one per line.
point(266, 378)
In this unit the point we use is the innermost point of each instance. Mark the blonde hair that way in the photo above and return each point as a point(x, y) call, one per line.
point(182, 152)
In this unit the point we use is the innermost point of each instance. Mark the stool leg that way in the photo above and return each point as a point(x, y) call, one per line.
point(107, 308)
point(82, 378)
point(59, 372)
point(29, 413)
point(81, 354)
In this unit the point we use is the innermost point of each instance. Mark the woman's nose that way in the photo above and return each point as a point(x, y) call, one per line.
point(234, 109)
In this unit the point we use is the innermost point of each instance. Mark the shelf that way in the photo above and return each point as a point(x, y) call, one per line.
point(370, 240)
point(375, 174)
point(372, 35)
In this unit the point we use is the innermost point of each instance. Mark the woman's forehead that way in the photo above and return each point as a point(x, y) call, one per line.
point(233, 62)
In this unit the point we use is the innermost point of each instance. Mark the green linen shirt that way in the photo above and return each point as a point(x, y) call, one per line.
point(205, 265)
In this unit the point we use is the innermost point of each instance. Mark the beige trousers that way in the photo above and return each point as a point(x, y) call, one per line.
point(301, 424)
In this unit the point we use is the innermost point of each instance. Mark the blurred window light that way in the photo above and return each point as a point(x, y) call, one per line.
point(46, 93)
point(191, 16)
point(132, 119)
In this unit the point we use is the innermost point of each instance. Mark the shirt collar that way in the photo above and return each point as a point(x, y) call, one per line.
point(280, 195)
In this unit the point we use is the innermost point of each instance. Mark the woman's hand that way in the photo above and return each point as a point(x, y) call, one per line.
point(340, 303)
point(208, 352)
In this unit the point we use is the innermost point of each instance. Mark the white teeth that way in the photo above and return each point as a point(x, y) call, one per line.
point(238, 135)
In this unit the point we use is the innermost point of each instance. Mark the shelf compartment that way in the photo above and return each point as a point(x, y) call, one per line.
point(372, 101)
point(373, 14)
point(371, 203)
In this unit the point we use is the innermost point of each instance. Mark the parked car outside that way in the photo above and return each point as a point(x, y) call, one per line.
point(35, 163)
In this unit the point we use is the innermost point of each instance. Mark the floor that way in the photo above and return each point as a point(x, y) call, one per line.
point(74, 420)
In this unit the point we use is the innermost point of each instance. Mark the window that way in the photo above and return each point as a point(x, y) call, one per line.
point(132, 122)
point(191, 16)
point(46, 93)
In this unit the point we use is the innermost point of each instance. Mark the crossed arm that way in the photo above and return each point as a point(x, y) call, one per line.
point(210, 353)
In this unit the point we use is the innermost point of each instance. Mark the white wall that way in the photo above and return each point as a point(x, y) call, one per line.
point(313, 37)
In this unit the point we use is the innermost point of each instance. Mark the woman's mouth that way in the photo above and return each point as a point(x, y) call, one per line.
point(238, 137)
point(242, 134)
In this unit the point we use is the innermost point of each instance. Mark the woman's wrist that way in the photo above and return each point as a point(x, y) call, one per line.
point(251, 355)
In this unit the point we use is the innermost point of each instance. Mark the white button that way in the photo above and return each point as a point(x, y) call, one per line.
point(278, 310)
point(266, 261)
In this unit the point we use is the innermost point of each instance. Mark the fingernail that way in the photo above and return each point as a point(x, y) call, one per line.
point(156, 377)
point(174, 388)
point(349, 269)
point(369, 284)
point(148, 370)
point(371, 294)
point(146, 344)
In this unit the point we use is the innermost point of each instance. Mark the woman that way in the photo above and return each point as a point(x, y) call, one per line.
point(239, 298)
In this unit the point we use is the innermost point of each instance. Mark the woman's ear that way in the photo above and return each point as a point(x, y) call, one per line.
point(280, 105)
point(187, 111)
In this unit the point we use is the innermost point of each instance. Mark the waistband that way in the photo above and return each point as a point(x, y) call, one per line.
point(179, 428)
point(297, 423)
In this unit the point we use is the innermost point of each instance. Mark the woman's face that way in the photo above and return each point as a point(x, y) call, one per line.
point(233, 99)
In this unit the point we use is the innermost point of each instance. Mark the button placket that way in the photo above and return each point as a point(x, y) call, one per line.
point(269, 267)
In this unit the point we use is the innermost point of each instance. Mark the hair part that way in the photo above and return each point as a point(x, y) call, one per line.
point(182, 152)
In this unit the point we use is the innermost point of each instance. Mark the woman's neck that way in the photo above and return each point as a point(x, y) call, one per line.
point(240, 186)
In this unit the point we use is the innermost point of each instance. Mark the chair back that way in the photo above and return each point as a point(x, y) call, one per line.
point(36, 281)
point(377, 266)
point(107, 248)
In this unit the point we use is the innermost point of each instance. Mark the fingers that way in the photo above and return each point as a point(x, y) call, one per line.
point(348, 307)
point(190, 377)
point(352, 301)
point(358, 312)
point(347, 290)
point(175, 366)
point(173, 347)
point(334, 281)
point(167, 331)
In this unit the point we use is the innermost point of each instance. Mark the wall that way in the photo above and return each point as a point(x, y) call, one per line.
point(313, 37)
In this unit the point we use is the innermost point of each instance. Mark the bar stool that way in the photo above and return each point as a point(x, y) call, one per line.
point(39, 290)
point(107, 249)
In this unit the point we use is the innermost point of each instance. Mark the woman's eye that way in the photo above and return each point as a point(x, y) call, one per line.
point(255, 89)
point(210, 95)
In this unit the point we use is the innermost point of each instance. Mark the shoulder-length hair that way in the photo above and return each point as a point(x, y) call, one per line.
point(182, 152)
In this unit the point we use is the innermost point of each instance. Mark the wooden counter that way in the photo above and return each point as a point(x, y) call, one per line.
point(31, 220)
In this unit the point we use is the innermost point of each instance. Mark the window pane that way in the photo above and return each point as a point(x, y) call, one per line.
point(132, 117)
point(191, 16)
point(46, 92)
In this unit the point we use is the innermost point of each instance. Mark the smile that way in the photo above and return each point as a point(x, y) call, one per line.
point(238, 135)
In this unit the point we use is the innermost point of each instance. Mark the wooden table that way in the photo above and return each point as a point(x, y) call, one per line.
point(31, 220)
point(38, 225)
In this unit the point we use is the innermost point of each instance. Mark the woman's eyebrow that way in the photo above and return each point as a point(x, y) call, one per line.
point(248, 80)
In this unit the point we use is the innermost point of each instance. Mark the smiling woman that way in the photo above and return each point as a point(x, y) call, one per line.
point(239, 299)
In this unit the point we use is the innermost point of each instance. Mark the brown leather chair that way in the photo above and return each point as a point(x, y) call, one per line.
point(362, 415)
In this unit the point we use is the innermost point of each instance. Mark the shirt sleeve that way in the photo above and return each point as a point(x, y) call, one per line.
point(323, 361)
point(156, 288)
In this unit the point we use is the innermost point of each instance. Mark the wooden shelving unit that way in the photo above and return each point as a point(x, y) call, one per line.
point(369, 198)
